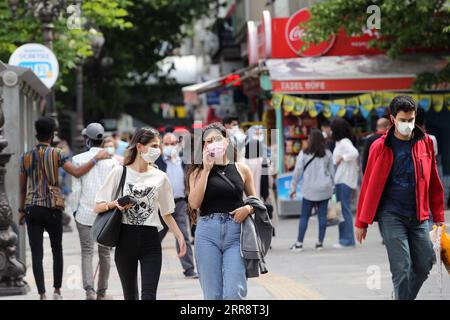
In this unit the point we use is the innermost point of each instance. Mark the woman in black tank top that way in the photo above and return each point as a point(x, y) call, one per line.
point(220, 202)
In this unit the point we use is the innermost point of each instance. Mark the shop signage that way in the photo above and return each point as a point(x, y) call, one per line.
point(39, 59)
point(293, 35)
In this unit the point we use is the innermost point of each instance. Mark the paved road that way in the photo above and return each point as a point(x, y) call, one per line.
point(330, 274)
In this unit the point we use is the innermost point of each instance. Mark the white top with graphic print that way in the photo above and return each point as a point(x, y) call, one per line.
point(151, 189)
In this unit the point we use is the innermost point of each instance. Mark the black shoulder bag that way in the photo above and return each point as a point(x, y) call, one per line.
point(106, 227)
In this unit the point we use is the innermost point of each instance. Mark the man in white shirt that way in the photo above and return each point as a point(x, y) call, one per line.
point(171, 163)
point(83, 202)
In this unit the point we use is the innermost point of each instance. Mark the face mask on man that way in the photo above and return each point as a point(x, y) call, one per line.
point(170, 151)
point(110, 150)
point(151, 155)
point(405, 128)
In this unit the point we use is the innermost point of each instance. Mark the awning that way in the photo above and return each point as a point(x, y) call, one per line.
point(345, 74)
point(191, 93)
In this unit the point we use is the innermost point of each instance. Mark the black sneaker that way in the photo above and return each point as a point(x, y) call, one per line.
point(297, 247)
point(319, 246)
point(191, 275)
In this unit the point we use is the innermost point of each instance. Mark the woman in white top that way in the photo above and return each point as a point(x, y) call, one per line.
point(139, 240)
point(345, 157)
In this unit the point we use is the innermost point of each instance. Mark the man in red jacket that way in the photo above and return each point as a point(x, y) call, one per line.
point(399, 189)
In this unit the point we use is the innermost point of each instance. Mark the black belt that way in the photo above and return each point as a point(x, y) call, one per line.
point(180, 199)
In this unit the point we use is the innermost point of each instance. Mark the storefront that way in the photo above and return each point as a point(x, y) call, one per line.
point(341, 77)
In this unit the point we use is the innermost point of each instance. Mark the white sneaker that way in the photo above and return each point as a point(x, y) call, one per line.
point(57, 296)
point(340, 246)
point(297, 247)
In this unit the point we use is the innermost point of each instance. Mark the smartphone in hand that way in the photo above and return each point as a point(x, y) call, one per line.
point(126, 200)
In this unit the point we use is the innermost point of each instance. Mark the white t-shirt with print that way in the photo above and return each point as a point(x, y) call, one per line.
point(151, 189)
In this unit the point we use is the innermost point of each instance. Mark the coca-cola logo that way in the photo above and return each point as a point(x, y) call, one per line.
point(294, 34)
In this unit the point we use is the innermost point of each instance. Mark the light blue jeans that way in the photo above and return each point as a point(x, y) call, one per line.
point(221, 268)
point(346, 233)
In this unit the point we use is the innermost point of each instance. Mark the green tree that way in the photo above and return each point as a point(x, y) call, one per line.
point(70, 45)
point(159, 27)
point(404, 24)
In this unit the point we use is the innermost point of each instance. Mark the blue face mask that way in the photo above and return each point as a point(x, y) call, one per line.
point(169, 151)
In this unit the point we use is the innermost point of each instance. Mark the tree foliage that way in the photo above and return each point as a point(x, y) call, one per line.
point(71, 45)
point(405, 24)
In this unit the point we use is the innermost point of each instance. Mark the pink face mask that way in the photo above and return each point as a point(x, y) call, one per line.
point(216, 149)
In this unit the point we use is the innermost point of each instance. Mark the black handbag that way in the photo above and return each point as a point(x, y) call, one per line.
point(106, 227)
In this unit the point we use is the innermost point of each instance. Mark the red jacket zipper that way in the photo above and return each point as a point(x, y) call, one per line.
point(416, 174)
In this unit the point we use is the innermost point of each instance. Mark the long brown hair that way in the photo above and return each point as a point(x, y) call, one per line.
point(142, 136)
point(197, 157)
point(316, 144)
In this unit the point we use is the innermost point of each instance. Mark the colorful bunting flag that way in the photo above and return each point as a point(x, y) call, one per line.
point(447, 101)
point(425, 101)
point(277, 99)
point(387, 98)
point(438, 102)
point(312, 109)
point(362, 104)
point(380, 112)
point(326, 109)
point(299, 106)
point(377, 98)
point(366, 101)
point(288, 103)
point(364, 112)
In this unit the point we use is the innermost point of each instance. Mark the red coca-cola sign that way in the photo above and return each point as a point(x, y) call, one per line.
point(294, 32)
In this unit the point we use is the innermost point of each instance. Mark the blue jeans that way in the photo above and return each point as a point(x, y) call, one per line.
point(346, 234)
point(409, 251)
point(221, 268)
point(306, 213)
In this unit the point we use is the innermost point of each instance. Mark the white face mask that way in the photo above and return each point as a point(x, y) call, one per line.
point(151, 155)
point(110, 150)
point(405, 128)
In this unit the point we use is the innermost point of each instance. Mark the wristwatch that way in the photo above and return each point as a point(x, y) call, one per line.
point(94, 160)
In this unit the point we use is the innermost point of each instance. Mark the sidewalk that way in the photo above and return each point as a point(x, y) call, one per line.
point(172, 285)
point(350, 274)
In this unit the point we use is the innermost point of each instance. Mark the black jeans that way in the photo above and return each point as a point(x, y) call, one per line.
point(39, 219)
point(139, 244)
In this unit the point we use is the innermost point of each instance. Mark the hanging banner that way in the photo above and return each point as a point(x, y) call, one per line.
point(447, 101)
point(425, 101)
point(364, 112)
point(387, 98)
point(366, 101)
point(312, 109)
point(288, 103)
point(326, 109)
point(377, 98)
point(319, 106)
point(299, 107)
point(380, 112)
point(438, 102)
point(276, 101)
point(341, 104)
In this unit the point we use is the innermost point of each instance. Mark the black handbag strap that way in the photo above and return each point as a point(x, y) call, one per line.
point(309, 162)
point(228, 181)
point(121, 184)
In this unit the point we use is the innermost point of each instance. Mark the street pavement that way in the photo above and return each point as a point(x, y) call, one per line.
point(353, 273)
